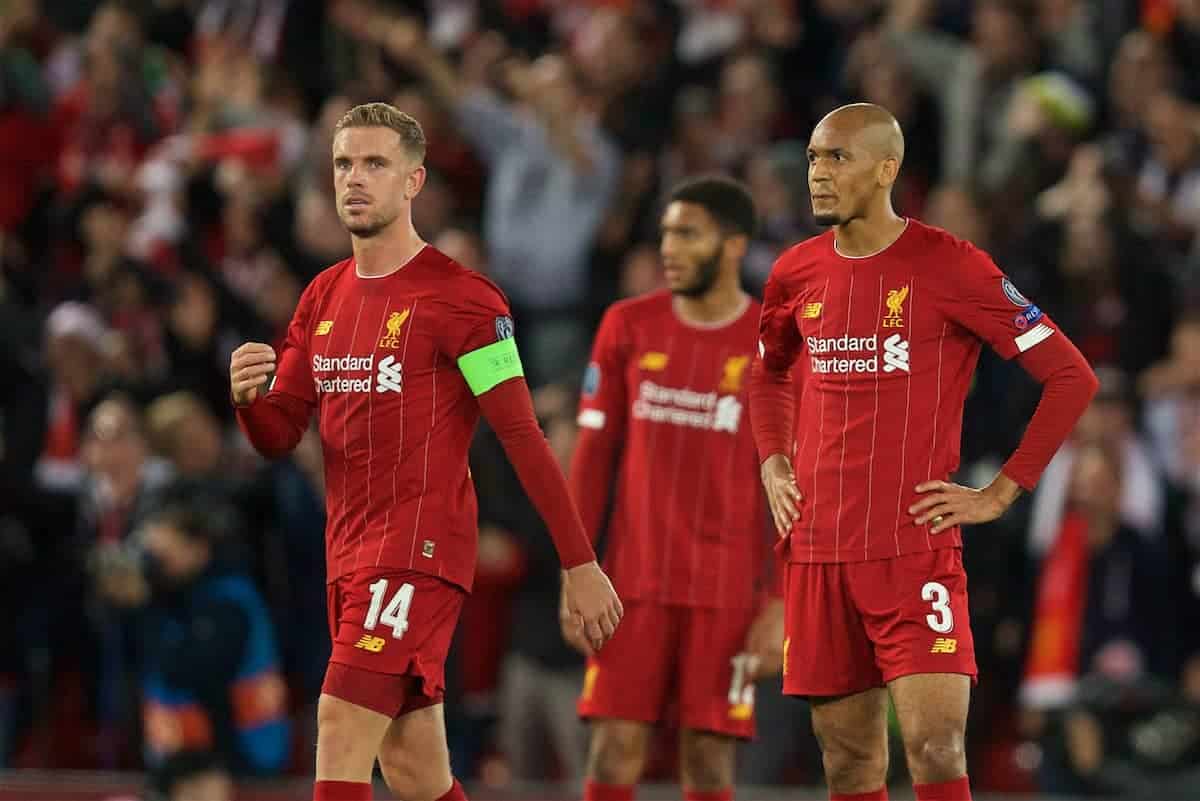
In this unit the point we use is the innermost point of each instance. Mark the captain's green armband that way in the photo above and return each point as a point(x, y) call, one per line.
point(490, 365)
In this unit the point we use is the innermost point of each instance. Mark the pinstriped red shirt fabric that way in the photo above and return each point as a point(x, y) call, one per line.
point(664, 433)
point(889, 343)
point(376, 358)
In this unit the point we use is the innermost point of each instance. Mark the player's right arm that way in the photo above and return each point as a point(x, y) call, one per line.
point(773, 399)
point(275, 420)
point(602, 423)
point(603, 412)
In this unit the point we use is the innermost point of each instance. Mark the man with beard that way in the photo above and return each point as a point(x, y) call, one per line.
point(663, 432)
point(397, 351)
point(888, 316)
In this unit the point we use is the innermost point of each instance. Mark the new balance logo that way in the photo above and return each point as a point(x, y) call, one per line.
point(390, 375)
point(944, 645)
point(895, 354)
point(369, 643)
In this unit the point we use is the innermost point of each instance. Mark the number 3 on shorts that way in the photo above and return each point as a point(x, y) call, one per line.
point(943, 621)
point(396, 612)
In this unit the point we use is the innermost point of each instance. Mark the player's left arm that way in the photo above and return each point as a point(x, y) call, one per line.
point(477, 332)
point(987, 304)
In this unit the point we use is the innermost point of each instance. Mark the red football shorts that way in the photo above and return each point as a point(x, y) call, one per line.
point(391, 630)
point(674, 656)
point(852, 626)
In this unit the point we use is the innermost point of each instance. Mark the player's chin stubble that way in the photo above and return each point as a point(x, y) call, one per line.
point(706, 276)
point(827, 219)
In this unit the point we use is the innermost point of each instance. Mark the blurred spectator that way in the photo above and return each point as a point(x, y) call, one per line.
point(541, 675)
point(1107, 424)
point(165, 194)
point(976, 83)
point(552, 173)
point(209, 663)
point(1102, 606)
point(185, 433)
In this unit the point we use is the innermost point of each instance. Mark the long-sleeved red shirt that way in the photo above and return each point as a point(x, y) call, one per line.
point(398, 369)
point(890, 343)
point(664, 435)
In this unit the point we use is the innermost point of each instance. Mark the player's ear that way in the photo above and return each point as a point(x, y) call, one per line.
point(888, 171)
point(414, 182)
point(735, 247)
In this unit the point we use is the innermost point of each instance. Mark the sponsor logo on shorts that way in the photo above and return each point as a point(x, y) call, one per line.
point(589, 681)
point(369, 643)
point(944, 645)
point(741, 711)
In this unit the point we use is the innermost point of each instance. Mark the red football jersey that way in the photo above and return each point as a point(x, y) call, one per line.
point(665, 401)
point(378, 360)
point(891, 342)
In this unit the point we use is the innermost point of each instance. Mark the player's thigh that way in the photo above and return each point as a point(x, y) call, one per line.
point(826, 650)
point(630, 676)
point(398, 625)
point(915, 610)
point(414, 757)
point(716, 691)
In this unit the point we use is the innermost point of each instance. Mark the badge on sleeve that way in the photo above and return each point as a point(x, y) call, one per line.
point(1014, 296)
point(591, 380)
point(504, 328)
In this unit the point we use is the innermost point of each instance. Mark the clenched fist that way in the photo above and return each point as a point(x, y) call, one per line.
point(249, 368)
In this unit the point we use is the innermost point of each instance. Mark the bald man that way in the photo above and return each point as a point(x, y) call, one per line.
point(891, 314)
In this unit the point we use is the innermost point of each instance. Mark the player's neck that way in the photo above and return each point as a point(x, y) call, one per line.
point(867, 236)
point(387, 251)
point(721, 304)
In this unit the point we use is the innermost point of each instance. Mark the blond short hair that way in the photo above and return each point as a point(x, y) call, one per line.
point(164, 416)
point(385, 115)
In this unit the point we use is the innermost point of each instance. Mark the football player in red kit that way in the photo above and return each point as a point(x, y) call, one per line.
point(889, 315)
point(664, 434)
point(397, 350)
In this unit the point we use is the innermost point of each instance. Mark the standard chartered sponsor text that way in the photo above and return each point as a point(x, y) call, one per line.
point(685, 407)
point(842, 347)
point(343, 364)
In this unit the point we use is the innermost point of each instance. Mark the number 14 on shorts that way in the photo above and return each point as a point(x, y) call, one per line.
point(395, 614)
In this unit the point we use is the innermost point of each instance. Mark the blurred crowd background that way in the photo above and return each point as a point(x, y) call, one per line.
point(165, 194)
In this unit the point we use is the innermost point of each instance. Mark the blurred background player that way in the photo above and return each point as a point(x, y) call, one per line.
point(397, 350)
point(663, 434)
point(892, 314)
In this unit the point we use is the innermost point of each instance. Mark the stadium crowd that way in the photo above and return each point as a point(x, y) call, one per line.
point(165, 194)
